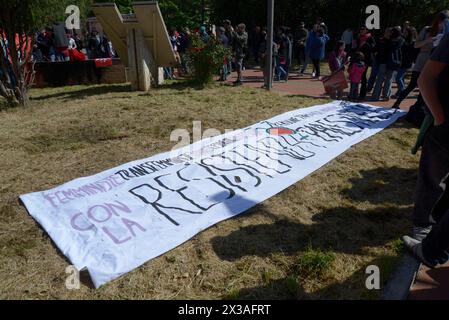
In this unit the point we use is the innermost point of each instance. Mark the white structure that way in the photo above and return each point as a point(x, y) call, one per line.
point(141, 40)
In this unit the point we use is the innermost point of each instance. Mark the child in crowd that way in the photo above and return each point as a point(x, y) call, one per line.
point(337, 61)
point(337, 58)
point(356, 69)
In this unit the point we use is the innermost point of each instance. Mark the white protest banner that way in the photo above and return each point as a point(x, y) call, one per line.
point(114, 221)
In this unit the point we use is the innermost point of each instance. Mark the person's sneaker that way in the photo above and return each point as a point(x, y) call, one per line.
point(420, 233)
point(238, 83)
point(415, 248)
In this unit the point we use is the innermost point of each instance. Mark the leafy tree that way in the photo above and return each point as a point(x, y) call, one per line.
point(19, 19)
point(338, 14)
point(206, 58)
point(176, 13)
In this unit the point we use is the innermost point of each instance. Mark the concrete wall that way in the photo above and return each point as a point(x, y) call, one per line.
point(54, 74)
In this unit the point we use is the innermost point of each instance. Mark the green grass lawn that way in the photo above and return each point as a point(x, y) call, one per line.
point(313, 240)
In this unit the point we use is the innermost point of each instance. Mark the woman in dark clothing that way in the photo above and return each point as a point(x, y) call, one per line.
point(408, 58)
point(365, 44)
point(318, 48)
point(392, 66)
point(381, 59)
point(424, 44)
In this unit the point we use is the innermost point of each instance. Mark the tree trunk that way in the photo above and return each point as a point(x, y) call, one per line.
point(18, 72)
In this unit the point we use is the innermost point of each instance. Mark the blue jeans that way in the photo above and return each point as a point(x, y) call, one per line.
point(400, 80)
point(224, 72)
point(383, 83)
point(354, 91)
point(168, 73)
point(281, 73)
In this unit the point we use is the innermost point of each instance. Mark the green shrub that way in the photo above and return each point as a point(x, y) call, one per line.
point(206, 59)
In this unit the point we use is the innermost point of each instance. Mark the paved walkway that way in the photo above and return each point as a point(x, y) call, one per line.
point(306, 86)
point(431, 284)
point(428, 283)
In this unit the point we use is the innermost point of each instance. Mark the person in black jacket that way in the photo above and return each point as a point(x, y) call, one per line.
point(240, 44)
point(430, 241)
point(381, 59)
point(408, 58)
point(393, 62)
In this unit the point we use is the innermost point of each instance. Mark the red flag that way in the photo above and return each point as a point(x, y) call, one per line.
point(76, 55)
point(102, 63)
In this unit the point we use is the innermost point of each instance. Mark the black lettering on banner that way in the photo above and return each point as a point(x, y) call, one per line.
point(219, 176)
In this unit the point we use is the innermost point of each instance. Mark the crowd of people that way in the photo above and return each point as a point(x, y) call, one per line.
point(373, 62)
point(309, 47)
point(56, 43)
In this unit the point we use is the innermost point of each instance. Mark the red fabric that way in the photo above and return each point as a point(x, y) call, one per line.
point(363, 39)
point(76, 55)
point(337, 80)
point(17, 41)
point(281, 131)
point(102, 63)
point(63, 50)
point(356, 71)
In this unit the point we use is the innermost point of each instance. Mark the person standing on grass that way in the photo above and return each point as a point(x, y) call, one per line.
point(256, 39)
point(356, 70)
point(284, 56)
point(263, 54)
point(348, 38)
point(229, 33)
point(389, 69)
point(318, 49)
point(430, 240)
point(280, 72)
point(225, 42)
point(365, 44)
point(408, 58)
point(338, 57)
point(424, 44)
point(240, 40)
point(300, 46)
point(337, 60)
point(379, 62)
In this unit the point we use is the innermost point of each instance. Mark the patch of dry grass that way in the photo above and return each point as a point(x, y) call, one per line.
point(354, 209)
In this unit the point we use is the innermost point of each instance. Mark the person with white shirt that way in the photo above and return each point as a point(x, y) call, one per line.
point(348, 38)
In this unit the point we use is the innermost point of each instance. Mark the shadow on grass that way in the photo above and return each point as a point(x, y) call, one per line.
point(186, 84)
point(71, 93)
point(354, 287)
point(383, 186)
point(343, 229)
point(95, 90)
